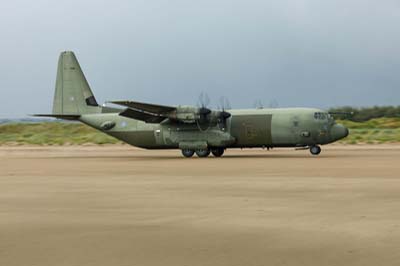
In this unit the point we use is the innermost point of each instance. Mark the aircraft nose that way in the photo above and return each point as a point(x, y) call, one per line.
point(338, 131)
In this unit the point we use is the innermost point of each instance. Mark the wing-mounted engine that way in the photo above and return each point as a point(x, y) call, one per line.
point(190, 114)
point(152, 113)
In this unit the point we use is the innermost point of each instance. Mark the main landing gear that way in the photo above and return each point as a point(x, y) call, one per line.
point(203, 153)
point(187, 153)
point(315, 150)
point(218, 152)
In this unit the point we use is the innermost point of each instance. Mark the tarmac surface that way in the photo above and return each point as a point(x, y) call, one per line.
point(122, 206)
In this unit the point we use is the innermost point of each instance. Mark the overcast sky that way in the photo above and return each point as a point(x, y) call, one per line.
point(298, 53)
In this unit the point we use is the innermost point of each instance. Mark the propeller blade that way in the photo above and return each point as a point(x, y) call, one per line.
point(224, 103)
point(204, 100)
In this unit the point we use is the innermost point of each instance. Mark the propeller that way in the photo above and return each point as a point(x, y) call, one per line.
point(203, 100)
point(274, 104)
point(203, 110)
point(223, 115)
point(203, 103)
point(224, 105)
point(258, 104)
point(206, 116)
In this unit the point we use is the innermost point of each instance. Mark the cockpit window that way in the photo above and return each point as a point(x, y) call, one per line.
point(321, 116)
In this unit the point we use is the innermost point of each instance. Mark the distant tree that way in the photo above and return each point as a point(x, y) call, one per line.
point(365, 113)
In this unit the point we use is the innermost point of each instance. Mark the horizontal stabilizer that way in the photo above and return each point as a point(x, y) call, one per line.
point(59, 116)
point(143, 116)
point(146, 107)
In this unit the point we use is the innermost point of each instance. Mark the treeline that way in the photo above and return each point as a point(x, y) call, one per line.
point(365, 113)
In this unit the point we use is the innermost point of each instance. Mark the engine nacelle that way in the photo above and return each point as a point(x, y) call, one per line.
point(189, 114)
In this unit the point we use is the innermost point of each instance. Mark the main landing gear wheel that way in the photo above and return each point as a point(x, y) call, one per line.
point(187, 153)
point(203, 153)
point(218, 152)
point(315, 150)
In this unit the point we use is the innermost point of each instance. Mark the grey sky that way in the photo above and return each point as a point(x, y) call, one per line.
point(299, 53)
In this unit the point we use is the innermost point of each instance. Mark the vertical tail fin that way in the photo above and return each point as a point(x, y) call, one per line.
point(73, 95)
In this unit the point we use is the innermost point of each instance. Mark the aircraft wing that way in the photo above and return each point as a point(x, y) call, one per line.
point(143, 116)
point(146, 107)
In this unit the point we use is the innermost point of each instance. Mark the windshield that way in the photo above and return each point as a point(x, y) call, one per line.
point(321, 116)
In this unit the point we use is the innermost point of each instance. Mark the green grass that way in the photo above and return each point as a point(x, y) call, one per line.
point(374, 131)
point(52, 133)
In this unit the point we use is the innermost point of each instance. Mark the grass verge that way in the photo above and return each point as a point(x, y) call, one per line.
point(374, 131)
point(52, 133)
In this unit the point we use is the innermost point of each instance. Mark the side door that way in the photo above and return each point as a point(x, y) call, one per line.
point(296, 129)
point(251, 130)
point(158, 135)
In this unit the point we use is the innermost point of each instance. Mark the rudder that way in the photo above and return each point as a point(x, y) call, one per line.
point(73, 95)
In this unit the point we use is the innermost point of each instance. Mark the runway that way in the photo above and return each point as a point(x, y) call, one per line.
point(117, 205)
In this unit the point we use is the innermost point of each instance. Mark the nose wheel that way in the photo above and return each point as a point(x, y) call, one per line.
point(315, 150)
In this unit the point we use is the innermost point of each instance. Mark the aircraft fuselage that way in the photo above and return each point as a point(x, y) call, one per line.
point(278, 127)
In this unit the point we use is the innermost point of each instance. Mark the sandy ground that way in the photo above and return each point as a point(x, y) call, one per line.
point(123, 206)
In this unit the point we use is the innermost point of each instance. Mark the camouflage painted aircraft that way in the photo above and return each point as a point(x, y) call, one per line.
point(193, 130)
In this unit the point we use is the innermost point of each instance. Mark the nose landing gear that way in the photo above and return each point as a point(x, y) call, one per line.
point(315, 150)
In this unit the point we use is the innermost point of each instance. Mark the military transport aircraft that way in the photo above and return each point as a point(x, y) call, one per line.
point(193, 130)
